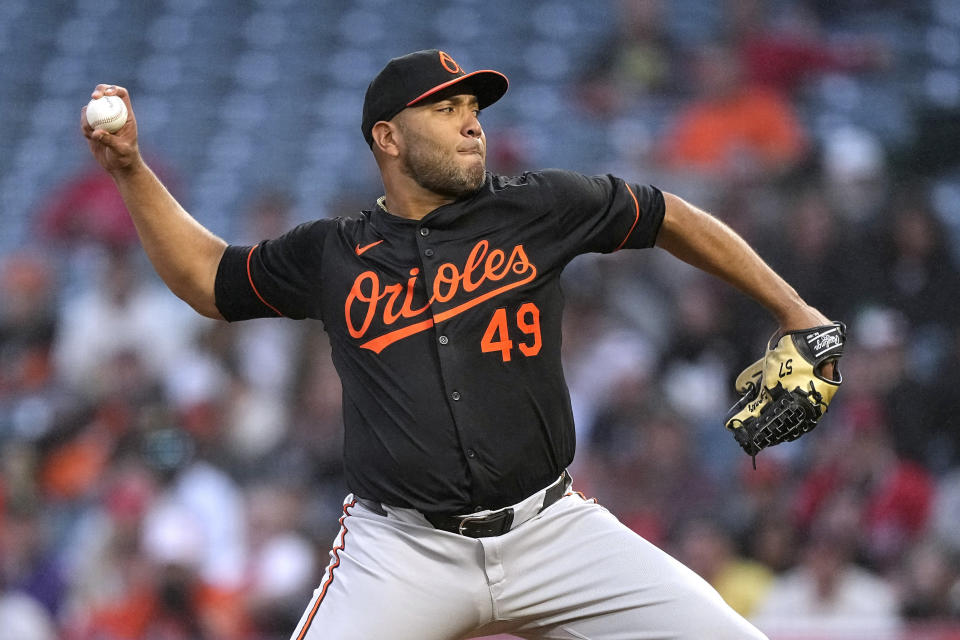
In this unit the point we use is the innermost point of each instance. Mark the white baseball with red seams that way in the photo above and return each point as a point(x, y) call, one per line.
point(108, 113)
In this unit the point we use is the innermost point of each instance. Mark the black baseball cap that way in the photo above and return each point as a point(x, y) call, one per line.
point(407, 80)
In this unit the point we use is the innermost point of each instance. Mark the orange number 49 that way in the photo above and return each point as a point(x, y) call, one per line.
point(496, 337)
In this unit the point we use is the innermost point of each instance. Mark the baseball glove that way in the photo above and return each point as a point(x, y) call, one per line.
point(784, 394)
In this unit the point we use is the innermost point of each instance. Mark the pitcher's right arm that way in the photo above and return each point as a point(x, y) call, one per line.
point(184, 253)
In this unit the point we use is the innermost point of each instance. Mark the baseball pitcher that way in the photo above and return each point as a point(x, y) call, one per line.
point(443, 306)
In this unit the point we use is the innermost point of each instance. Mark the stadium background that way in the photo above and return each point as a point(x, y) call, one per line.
point(168, 477)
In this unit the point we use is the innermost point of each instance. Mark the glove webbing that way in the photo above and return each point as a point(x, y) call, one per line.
point(786, 418)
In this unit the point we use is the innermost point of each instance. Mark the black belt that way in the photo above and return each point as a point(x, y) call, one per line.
point(496, 523)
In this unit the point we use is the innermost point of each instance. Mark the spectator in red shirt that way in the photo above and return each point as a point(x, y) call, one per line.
point(731, 128)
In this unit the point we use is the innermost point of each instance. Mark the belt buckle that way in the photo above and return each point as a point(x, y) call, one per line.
point(499, 523)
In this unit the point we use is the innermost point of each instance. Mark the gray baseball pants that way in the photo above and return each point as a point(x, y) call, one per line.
point(572, 571)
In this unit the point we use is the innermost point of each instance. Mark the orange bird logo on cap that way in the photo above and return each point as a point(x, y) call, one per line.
point(449, 63)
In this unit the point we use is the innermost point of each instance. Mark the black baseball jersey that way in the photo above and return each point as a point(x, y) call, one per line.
point(446, 331)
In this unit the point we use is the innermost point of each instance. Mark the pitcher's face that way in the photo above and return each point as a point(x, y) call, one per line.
point(443, 147)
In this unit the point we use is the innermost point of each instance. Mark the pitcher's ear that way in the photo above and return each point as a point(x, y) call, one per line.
point(385, 138)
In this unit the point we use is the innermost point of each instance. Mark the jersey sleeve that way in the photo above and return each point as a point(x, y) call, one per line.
point(603, 213)
point(279, 277)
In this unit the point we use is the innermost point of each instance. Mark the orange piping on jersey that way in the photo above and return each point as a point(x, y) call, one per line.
point(333, 565)
point(254, 287)
point(635, 220)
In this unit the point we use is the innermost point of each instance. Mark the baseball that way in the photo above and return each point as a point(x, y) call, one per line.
point(108, 113)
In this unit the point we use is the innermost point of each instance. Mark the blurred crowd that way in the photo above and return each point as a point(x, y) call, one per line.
point(167, 477)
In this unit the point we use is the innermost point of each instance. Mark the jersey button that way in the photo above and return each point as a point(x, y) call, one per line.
point(443, 339)
point(428, 253)
point(472, 454)
point(424, 231)
point(455, 395)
